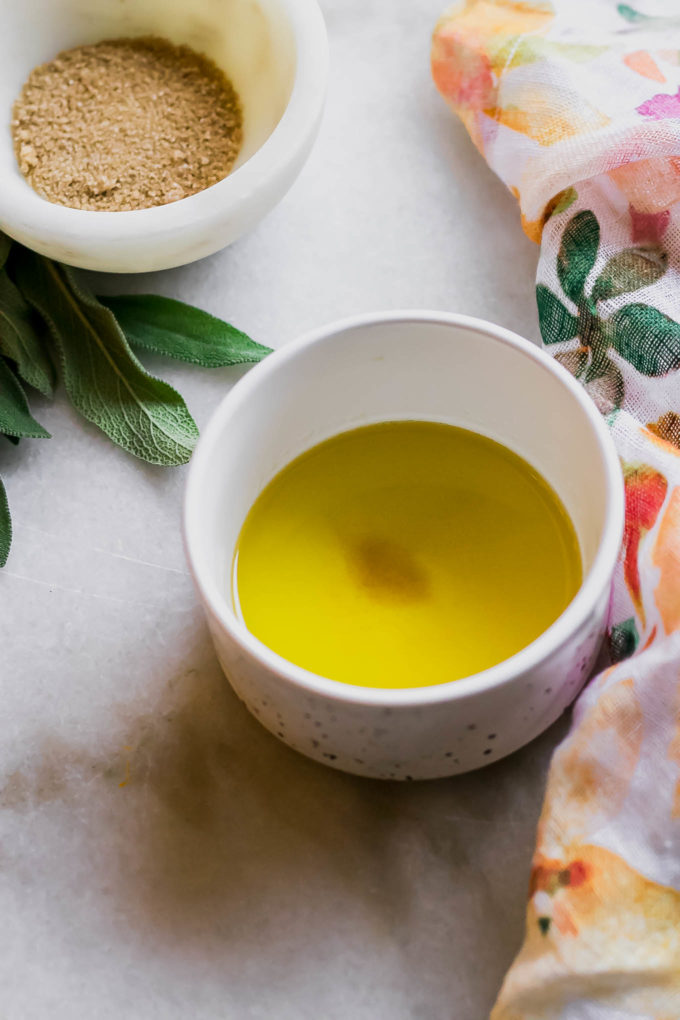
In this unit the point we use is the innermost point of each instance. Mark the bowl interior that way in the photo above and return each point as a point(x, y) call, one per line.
point(428, 369)
point(251, 40)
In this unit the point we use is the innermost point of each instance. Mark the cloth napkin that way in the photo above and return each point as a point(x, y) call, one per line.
point(576, 106)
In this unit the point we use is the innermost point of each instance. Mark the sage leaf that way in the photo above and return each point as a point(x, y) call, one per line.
point(103, 378)
point(556, 322)
point(629, 270)
point(577, 254)
point(646, 338)
point(5, 526)
point(15, 417)
point(181, 331)
point(5, 246)
point(20, 340)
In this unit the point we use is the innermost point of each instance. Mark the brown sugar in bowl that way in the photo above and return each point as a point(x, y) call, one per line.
point(273, 51)
point(126, 124)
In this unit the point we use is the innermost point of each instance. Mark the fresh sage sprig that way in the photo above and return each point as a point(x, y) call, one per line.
point(49, 320)
point(16, 420)
point(174, 329)
point(20, 338)
point(5, 526)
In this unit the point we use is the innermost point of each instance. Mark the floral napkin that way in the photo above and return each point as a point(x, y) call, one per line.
point(576, 106)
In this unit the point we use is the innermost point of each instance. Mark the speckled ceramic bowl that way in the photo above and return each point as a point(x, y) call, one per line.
point(432, 366)
point(276, 54)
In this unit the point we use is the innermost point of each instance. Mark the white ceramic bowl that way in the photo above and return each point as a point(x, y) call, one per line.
point(276, 54)
point(446, 368)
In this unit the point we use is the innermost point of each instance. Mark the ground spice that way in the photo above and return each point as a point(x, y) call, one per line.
point(126, 124)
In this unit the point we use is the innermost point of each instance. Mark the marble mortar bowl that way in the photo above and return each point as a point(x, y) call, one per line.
point(276, 54)
point(423, 366)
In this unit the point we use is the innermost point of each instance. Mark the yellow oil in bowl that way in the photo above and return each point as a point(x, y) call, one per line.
point(404, 554)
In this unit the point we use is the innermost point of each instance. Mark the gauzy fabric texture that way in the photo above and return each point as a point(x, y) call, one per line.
point(576, 106)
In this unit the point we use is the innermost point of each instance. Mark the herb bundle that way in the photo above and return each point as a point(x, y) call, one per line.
point(51, 324)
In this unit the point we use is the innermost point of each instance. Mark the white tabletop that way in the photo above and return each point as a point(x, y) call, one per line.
point(162, 856)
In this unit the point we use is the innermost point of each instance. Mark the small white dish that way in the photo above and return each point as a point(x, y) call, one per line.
point(276, 54)
point(407, 365)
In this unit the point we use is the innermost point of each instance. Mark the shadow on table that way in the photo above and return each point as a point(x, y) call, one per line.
point(204, 840)
point(233, 840)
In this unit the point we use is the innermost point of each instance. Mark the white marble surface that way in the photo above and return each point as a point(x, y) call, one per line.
point(161, 856)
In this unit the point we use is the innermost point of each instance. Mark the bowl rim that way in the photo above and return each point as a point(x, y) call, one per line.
point(26, 214)
point(545, 645)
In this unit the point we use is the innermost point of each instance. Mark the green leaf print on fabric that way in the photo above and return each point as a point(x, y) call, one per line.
point(623, 640)
point(577, 254)
point(575, 362)
point(557, 324)
point(639, 333)
point(631, 15)
point(604, 384)
point(564, 200)
point(657, 22)
point(647, 338)
point(629, 270)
